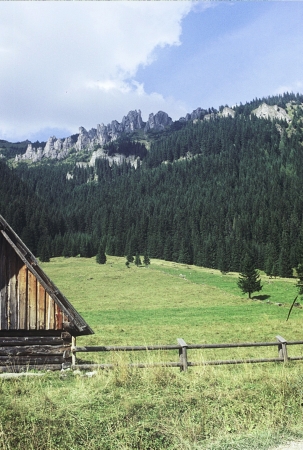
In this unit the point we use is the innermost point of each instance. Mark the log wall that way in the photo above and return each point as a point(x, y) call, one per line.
point(20, 353)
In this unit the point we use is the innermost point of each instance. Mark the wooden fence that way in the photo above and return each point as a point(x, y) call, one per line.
point(183, 363)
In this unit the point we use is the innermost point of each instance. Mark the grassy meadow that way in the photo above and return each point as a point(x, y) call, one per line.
point(249, 406)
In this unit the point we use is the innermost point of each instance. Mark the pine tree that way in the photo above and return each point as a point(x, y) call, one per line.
point(130, 258)
point(138, 260)
point(249, 280)
point(101, 257)
point(44, 253)
point(146, 260)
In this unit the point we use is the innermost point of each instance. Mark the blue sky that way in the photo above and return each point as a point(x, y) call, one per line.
point(70, 64)
point(231, 53)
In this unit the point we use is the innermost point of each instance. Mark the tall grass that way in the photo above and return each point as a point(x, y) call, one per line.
point(250, 406)
point(209, 408)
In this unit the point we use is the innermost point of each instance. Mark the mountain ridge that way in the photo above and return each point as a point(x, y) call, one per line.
point(96, 139)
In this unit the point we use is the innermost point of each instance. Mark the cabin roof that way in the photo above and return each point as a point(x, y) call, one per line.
point(76, 324)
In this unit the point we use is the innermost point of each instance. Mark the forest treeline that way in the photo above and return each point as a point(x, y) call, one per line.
point(206, 193)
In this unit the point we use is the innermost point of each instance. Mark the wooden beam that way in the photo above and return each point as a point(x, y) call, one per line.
point(37, 350)
point(7, 341)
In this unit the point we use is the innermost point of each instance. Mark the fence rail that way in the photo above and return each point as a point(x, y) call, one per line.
point(183, 348)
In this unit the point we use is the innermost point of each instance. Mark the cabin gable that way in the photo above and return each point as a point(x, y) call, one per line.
point(29, 301)
point(25, 303)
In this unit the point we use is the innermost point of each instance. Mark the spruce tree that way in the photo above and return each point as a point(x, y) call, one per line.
point(249, 280)
point(130, 258)
point(44, 253)
point(101, 257)
point(146, 260)
point(137, 260)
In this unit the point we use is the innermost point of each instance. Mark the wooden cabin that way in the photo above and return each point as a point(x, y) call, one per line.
point(37, 322)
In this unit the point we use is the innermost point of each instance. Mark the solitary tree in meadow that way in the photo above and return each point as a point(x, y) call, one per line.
point(249, 280)
point(130, 258)
point(138, 260)
point(101, 257)
point(146, 260)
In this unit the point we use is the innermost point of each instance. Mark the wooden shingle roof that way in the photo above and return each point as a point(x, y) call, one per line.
point(29, 300)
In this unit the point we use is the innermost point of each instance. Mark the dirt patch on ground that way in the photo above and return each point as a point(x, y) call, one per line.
point(295, 445)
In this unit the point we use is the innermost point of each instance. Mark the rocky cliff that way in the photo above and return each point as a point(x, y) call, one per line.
point(96, 137)
point(271, 112)
point(158, 122)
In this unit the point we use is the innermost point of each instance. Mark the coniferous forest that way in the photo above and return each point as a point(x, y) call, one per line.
point(207, 192)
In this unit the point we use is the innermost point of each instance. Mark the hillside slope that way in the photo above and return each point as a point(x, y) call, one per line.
point(206, 192)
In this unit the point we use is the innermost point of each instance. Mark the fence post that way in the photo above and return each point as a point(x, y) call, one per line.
point(282, 347)
point(66, 355)
point(183, 354)
point(73, 353)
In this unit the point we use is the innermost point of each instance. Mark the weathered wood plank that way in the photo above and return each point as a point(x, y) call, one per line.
point(39, 350)
point(3, 284)
point(58, 318)
point(19, 268)
point(32, 302)
point(41, 307)
point(12, 290)
point(4, 333)
point(50, 313)
point(39, 360)
point(31, 340)
point(22, 292)
point(26, 367)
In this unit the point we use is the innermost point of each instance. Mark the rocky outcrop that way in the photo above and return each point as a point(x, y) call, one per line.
point(271, 112)
point(197, 114)
point(114, 159)
point(84, 139)
point(132, 122)
point(53, 149)
point(227, 112)
point(158, 122)
point(106, 133)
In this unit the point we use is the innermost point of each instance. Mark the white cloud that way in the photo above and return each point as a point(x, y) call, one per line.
point(66, 64)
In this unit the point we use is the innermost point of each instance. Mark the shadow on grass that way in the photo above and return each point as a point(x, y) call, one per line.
point(261, 297)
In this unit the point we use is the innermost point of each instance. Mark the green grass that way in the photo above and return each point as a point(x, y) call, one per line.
point(249, 406)
point(156, 305)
